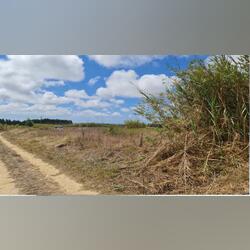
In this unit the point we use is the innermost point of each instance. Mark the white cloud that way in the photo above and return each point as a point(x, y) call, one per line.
point(49, 98)
point(24, 83)
point(94, 80)
point(233, 58)
point(22, 75)
point(120, 83)
point(230, 58)
point(112, 61)
point(117, 102)
point(76, 94)
point(81, 99)
point(93, 113)
point(24, 111)
point(95, 103)
point(53, 83)
point(124, 83)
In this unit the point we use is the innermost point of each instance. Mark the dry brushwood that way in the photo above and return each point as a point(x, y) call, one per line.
point(182, 166)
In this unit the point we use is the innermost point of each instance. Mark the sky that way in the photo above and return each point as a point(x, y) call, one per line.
point(88, 88)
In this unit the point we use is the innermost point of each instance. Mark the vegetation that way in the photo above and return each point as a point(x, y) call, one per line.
point(52, 121)
point(3, 127)
point(213, 96)
point(205, 120)
point(97, 125)
point(134, 124)
point(31, 122)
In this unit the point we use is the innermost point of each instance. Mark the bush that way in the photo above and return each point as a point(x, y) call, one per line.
point(134, 124)
point(114, 130)
point(28, 123)
point(3, 127)
point(213, 96)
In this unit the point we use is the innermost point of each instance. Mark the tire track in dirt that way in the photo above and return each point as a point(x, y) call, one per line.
point(49, 172)
point(27, 178)
point(7, 186)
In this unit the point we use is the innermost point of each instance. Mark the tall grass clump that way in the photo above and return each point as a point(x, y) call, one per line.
point(211, 95)
point(204, 141)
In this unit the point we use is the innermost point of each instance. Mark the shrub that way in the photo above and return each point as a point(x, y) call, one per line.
point(3, 127)
point(28, 123)
point(212, 96)
point(114, 130)
point(134, 124)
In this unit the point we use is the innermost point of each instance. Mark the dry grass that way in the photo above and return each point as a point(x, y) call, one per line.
point(121, 160)
point(192, 164)
point(98, 157)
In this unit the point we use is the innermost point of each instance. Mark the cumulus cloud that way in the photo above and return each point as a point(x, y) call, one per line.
point(124, 83)
point(95, 103)
point(117, 102)
point(114, 61)
point(52, 83)
point(81, 99)
point(22, 75)
point(24, 111)
point(25, 81)
point(76, 94)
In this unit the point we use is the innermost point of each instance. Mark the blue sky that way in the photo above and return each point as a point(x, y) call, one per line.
point(94, 88)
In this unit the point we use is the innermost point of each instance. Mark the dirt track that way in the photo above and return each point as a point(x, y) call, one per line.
point(22, 173)
point(7, 185)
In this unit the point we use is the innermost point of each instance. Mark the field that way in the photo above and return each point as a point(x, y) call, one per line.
point(190, 138)
point(118, 160)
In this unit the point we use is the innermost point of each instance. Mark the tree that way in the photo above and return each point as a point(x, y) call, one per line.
point(28, 123)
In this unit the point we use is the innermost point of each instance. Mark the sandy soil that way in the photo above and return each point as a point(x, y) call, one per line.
point(7, 186)
point(33, 175)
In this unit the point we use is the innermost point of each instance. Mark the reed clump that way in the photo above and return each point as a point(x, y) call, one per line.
point(205, 118)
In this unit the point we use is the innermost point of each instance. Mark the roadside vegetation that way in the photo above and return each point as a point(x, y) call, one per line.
point(205, 120)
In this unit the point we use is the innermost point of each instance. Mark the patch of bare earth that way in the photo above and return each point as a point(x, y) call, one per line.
point(7, 185)
point(27, 178)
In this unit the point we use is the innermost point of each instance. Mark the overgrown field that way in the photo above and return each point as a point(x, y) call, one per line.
point(140, 161)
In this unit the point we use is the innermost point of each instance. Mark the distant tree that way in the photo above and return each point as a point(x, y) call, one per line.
point(29, 123)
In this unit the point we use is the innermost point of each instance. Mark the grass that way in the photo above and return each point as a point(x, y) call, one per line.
point(205, 120)
point(116, 162)
point(93, 156)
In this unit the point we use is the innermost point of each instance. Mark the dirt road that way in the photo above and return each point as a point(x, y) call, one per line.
point(22, 173)
point(7, 185)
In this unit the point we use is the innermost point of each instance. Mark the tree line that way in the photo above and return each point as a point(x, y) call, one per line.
point(30, 122)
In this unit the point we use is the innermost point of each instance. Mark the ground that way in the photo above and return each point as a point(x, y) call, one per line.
point(23, 173)
point(114, 160)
